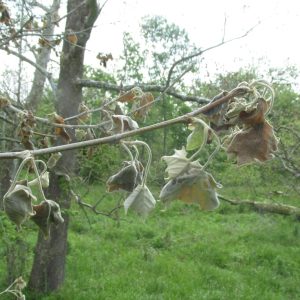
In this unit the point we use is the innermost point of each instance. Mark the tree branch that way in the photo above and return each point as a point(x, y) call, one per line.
point(200, 52)
point(144, 87)
point(29, 61)
point(274, 208)
point(117, 137)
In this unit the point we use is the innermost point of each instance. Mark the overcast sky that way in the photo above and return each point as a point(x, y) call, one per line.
point(275, 40)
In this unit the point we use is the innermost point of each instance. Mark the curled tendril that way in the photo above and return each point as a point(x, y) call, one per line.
point(134, 143)
point(267, 87)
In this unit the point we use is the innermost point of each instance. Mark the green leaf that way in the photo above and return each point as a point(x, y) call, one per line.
point(197, 137)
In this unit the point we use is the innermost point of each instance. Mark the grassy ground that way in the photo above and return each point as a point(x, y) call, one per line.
point(181, 253)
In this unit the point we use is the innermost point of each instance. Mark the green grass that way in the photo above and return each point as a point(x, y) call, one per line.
point(181, 253)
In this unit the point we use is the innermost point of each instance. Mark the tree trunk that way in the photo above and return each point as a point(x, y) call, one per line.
point(42, 60)
point(48, 269)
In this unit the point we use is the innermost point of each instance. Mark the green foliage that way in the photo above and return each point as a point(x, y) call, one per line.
point(181, 253)
point(99, 165)
point(133, 58)
point(95, 97)
point(166, 42)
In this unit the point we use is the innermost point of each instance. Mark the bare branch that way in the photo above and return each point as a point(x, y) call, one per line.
point(224, 28)
point(40, 5)
point(18, 33)
point(275, 208)
point(42, 70)
point(4, 138)
point(94, 209)
point(144, 87)
point(7, 120)
point(200, 52)
point(71, 11)
point(117, 137)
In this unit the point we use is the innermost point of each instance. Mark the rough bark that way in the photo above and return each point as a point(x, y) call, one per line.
point(42, 60)
point(48, 270)
point(50, 255)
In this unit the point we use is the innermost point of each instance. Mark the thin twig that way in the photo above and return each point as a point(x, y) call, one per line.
point(200, 52)
point(144, 87)
point(26, 59)
point(117, 137)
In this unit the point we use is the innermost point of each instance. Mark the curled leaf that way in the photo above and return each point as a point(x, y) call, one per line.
point(216, 114)
point(45, 43)
point(126, 179)
point(80, 134)
point(71, 36)
point(140, 200)
point(255, 143)
point(196, 187)
point(104, 58)
point(197, 137)
point(84, 111)
point(25, 130)
point(4, 102)
point(256, 115)
point(130, 95)
point(60, 131)
point(47, 213)
point(44, 180)
point(53, 159)
point(123, 123)
point(178, 163)
point(5, 16)
point(143, 107)
point(18, 204)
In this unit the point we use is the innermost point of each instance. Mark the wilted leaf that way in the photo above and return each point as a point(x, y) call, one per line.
point(18, 204)
point(255, 116)
point(47, 213)
point(255, 143)
point(126, 179)
point(217, 108)
point(197, 137)
point(104, 58)
point(140, 200)
point(44, 181)
point(178, 163)
point(71, 36)
point(5, 17)
point(53, 159)
point(45, 43)
point(197, 187)
point(130, 95)
point(84, 109)
point(25, 130)
point(60, 131)
point(245, 112)
point(144, 105)
point(216, 114)
point(4, 102)
point(80, 134)
point(123, 123)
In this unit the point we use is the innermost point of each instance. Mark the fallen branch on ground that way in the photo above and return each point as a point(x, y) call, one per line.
point(275, 208)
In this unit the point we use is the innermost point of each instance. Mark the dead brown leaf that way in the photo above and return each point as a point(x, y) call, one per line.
point(255, 143)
